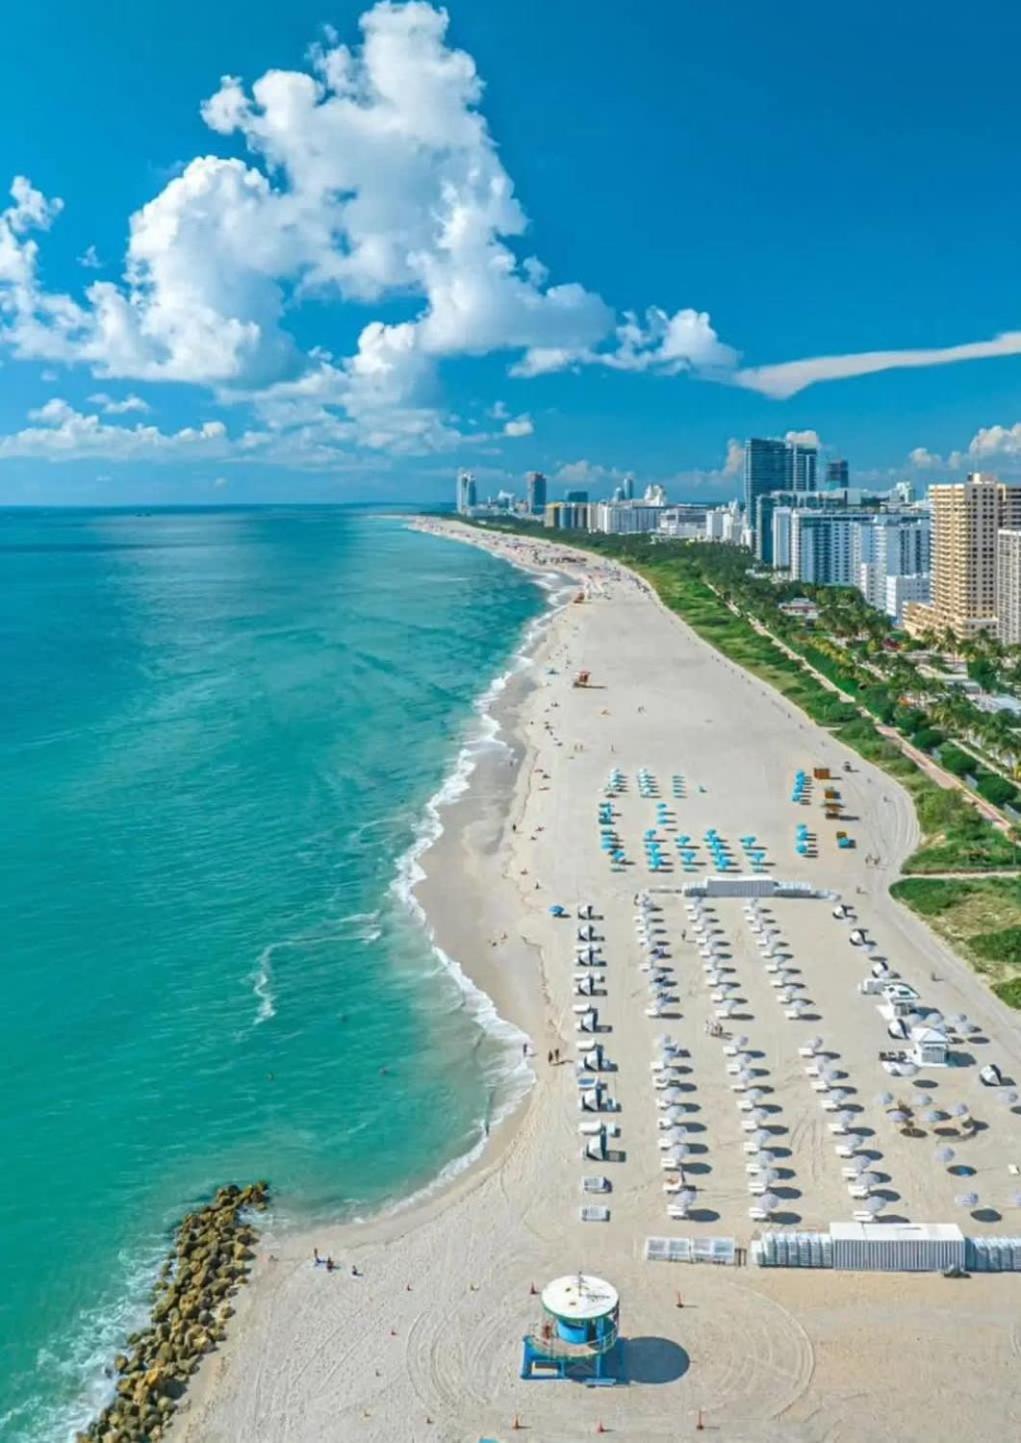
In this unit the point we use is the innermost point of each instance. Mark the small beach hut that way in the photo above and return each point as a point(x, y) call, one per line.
point(578, 1329)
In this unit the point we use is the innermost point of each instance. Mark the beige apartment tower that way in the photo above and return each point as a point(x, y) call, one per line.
point(967, 517)
point(1008, 587)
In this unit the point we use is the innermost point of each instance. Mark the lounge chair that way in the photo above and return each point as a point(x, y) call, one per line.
point(594, 1214)
point(677, 1212)
point(758, 1215)
point(595, 1183)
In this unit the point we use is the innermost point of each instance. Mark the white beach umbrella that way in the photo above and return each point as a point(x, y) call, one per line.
point(763, 1138)
point(884, 1099)
point(687, 1197)
point(1015, 1199)
point(874, 1205)
point(769, 1202)
point(966, 1199)
point(756, 1094)
point(933, 1116)
point(944, 1155)
point(898, 1116)
point(960, 1110)
point(868, 1179)
point(919, 1099)
point(1008, 1098)
point(845, 1118)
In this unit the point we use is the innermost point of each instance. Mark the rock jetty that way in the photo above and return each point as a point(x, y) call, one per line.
point(210, 1260)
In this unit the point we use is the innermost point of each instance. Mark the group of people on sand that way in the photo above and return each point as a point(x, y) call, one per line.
point(330, 1265)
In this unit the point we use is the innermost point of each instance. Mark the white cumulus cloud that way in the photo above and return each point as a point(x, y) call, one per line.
point(110, 406)
point(61, 433)
point(519, 426)
point(996, 441)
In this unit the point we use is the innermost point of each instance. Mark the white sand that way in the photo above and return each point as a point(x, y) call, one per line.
point(426, 1343)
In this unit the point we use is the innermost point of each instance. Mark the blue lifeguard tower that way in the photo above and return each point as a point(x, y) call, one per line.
point(578, 1330)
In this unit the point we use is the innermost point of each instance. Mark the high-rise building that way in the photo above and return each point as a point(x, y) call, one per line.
point(467, 495)
point(837, 473)
point(579, 497)
point(567, 515)
point(765, 470)
point(802, 467)
point(966, 519)
point(780, 537)
point(823, 546)
point(725, 523)
point(893, 545)
point(536, 493)
point(626, 517)
point(1008, 587)
point(771, 465)
point(629, 488)
point(761, 519)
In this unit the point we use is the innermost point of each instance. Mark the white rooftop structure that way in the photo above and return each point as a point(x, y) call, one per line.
point(898, 1232)
point(580, 1296)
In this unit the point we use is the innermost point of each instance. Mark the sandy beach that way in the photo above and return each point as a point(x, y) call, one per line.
point(425, 1342)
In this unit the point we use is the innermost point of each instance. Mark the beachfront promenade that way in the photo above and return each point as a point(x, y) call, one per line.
point(758, 1085)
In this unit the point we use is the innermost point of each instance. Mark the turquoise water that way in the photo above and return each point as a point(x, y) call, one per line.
point(219, 734)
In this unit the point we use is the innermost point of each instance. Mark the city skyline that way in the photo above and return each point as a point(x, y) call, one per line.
point(342, 261)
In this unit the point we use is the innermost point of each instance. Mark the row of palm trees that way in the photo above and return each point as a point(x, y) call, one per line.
point(863, 645)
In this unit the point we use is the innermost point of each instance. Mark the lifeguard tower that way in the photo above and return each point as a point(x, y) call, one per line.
point(578, 1330)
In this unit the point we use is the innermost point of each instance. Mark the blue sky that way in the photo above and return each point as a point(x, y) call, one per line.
point(581, 237)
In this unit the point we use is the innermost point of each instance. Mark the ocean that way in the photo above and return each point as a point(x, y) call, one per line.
point(226, 737)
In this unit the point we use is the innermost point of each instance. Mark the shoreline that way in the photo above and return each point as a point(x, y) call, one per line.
point(429, 1332)
point(473, 795)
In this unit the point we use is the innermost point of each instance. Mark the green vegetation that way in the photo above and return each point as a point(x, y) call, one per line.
point(980, 918)
point(952, 759)
point(1009, 992)
point(927, 739)
point(997, 789)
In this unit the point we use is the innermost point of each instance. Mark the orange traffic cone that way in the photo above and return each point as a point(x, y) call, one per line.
point(599, 1427)
point(516, 1424)
point(533, 1290)
point(699, 1426)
